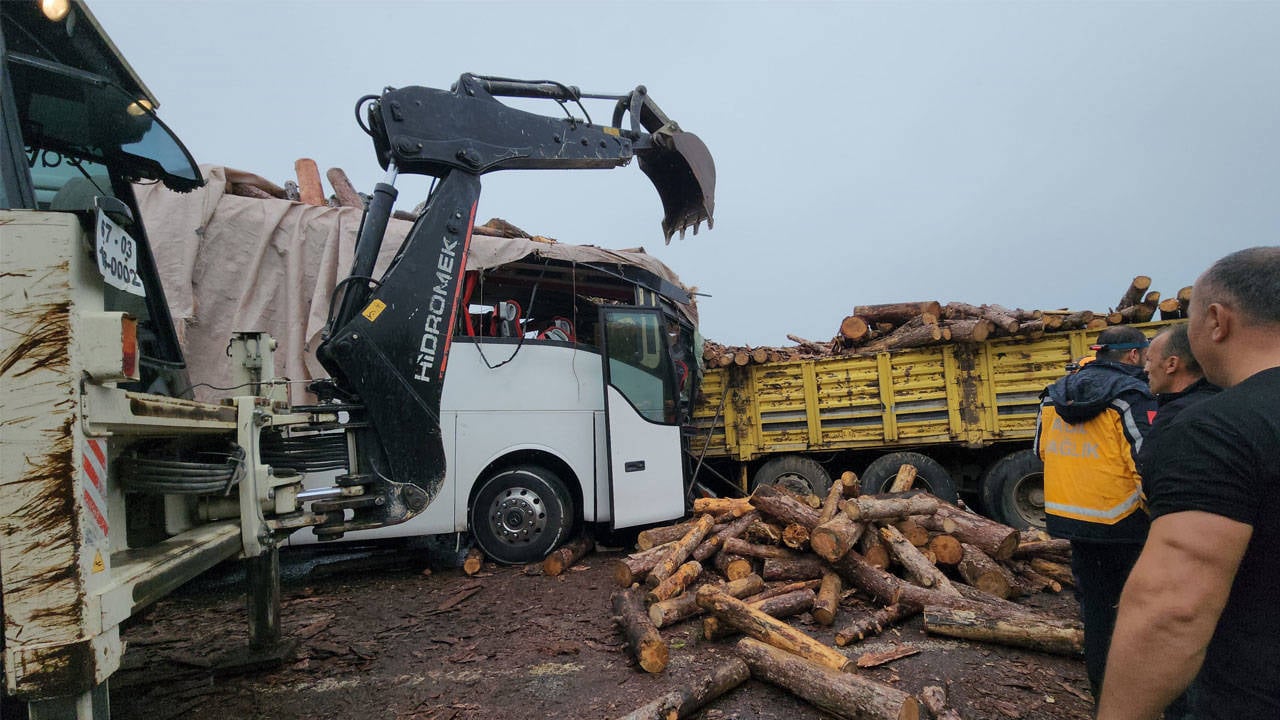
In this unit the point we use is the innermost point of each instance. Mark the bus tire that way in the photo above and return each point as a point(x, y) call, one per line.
point(520, 514)
point(794, 472)
point(930, 476)
point(1013, 490)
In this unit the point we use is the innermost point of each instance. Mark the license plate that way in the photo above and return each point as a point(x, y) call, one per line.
point(118, 257)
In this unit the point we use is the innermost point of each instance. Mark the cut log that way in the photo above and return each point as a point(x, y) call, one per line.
point(844, 695)
point(715, 506)
point(346, 193)
point(737, 546)
point(643, 640)
point(712, 545)
point(1053, 570)
point(834, 538)
point(1043, 548)
point(1029, 581)
point(250, 191)
point(905, 478)
point(917, 566)
point(310, 190)
point(946, 549)
point(782, 589)
point(850, 486)
point(854, 329)
point(998, 541)
point(694, 693)
point(1184, 300)
point(776, 606)
point(742, 358)
point(807, 567)
point(831, 505)
point(568, 554)
point(680, 551)
point(663, 535)
point(683, 607)
point(913, 532)
point(1098, 324)
point(971, 330)
point(796, 536)
point(1152, 298)
point(987, 624)
point(733, 567)
point(873, 550)
point(898, 313)
point(783, 507)
point(633, 568)
point(1135, 292)
point(1076, 320)
point(882, 508)
point(676, 583)
point(474, 561)
point(905, 337)
point(827, 603)
point(1139, 313)
point(1170, 309)
point(979, 570)
point(761, 626)
point(760, 356)
point(874, 623)
point(934, 699)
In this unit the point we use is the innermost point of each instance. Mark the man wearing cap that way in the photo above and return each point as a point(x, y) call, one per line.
point(1089, 434)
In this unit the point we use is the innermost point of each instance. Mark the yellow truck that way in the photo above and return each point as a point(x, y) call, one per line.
point(964, 414)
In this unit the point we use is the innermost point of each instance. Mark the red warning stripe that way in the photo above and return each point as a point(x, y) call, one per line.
point(93, 510)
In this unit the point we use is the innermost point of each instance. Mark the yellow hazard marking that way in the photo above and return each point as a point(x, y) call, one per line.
point(375, 309)
point(98, 565)
point(611, 131)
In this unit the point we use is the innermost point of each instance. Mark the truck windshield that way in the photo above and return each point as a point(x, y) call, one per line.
point(80, 114)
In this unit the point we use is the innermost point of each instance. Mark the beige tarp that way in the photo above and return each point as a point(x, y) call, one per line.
point(232, 263)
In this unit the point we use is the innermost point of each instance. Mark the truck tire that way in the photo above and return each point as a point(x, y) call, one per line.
point(1013, 490)
point(880, 474)
point(521, 514)
point(794, 472)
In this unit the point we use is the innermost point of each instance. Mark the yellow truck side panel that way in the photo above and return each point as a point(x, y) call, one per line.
point(971, 394)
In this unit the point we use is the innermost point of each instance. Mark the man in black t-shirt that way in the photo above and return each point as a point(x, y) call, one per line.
point(1175, 377)
point(1203, 595)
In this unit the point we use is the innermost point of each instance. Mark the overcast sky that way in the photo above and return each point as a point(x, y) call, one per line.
point(1028, 154)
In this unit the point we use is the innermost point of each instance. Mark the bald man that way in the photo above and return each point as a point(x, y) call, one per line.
point(1202, 597)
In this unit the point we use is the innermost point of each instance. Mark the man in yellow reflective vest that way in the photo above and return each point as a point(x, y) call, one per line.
point(1089, 434)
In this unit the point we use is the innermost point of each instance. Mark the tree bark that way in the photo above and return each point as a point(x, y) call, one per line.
point(998, 541)
point(346, 193)
point(683, 607)
point(905, 478)
point(834, 538)
point(694, 693)
point(643, 639)
point(877, 508)
point(764, 532)
point(1136, 289)
point(874, 623)
point(934, 699)
point(680, 551)
point(844, 695)
point(918, 567)
point(906, 337)
point(988, 624)
point(568, 554)
point(736, 546)
point(807, 567)
point(831, 505)
point(676, 583)
point(827, 603)
point(898, 313)
point(782, 507)
point(767, 629)
point(776, 606)
point(712, 545)
point(633, 568)
point(663, 535)
point(715, 506)
point(1051, 549)
point(873, 550)
point(979, 570)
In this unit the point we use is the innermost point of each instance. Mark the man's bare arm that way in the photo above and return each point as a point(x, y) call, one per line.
point(1168, 611)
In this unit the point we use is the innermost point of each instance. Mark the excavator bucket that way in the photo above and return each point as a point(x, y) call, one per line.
point(680, 167)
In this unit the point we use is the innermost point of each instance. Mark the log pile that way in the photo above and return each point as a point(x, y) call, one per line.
point(872, 329)
point(960, 571)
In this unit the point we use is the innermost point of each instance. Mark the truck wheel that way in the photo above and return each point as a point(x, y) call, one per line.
point(794, 472)
point(1013, 490)
point(521, 514)
point(880, 474)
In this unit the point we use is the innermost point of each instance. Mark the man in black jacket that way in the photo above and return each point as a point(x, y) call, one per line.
point(1176, 379)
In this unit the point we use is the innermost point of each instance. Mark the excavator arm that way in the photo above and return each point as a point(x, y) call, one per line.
point(387, 345)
